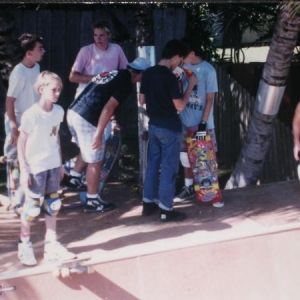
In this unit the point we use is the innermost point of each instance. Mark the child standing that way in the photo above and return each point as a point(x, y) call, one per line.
point(40, 161)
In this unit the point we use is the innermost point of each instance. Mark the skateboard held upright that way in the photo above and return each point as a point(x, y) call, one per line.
point(202, 157)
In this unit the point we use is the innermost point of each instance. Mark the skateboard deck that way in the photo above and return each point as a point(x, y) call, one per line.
point(112, 151)
point(14, 190)
point(202, 157)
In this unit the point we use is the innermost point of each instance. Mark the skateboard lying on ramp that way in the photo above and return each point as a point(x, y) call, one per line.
point(74, 266)
point(202, 157)
point(112, 152)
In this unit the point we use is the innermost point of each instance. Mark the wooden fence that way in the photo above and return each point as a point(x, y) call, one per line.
point(67, 29)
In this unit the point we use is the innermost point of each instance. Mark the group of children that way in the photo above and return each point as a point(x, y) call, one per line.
point(33, 120)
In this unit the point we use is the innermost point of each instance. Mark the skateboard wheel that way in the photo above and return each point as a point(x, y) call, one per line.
point(65, 272)
point(90, 269)
point(56, 273)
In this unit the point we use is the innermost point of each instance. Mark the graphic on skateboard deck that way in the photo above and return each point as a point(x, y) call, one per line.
point(112, 151)
point(74, 266)
point(202, 157)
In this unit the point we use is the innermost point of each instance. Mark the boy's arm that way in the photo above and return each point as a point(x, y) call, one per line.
point(181, 103)
point(10, 110)
point(24, 168)
point(296, 132)
point(60, 156)
point(77, 77)
point(21, 150)
point(208, 106)
point(142, 99)
point(104, 118)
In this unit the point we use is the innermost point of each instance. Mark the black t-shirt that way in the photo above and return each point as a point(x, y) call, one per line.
point(89, 104)
point(160, 87)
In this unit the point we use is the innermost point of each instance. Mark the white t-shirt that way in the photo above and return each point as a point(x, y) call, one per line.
point(42, 151)
point(93, 61)
point(20, 86)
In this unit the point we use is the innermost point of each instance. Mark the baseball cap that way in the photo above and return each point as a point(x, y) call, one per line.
point(140, 64)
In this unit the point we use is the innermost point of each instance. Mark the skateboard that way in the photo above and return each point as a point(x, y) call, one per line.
point(5, 289)
point(112, 151)
point(74, 266)
point(14, 190)
point(202, 157)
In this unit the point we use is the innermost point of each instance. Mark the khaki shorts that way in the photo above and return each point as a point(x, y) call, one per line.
point(83, 133)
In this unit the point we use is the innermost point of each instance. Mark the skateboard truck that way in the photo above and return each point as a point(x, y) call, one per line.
point(199, 135)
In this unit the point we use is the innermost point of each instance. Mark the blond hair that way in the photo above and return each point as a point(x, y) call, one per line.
point(45, 78)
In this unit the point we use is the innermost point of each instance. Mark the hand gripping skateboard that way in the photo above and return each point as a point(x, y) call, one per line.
point(202, 157)
point(74, 266)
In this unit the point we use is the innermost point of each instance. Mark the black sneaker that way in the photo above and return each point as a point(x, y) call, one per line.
point(97, 205)
point(73, 183)
point(186, 193)
point(171, 215)
point(149, 209)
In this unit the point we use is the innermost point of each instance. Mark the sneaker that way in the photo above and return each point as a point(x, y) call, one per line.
point(171, 215)
point(56, 251)
point(186, 193)
point(73, 183)
point(149, 209)
point(98, 205)
point(26, 254)
point(218, 204)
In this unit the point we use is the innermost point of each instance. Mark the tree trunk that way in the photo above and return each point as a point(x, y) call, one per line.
point(271, 88)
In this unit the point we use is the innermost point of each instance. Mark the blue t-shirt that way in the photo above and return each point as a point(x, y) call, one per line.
point(160, 87)
point(207, 83)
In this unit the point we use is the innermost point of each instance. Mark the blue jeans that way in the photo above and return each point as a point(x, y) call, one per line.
point(162, 166)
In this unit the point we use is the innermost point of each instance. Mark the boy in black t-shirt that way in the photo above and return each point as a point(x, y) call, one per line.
point(160, 91)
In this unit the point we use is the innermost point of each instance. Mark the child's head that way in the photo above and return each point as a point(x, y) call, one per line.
point(28, 42)
point(175, 51)
point(102, 25)
point(194, 46)
point(174, 48)
point(50, 80)
point(101, 35)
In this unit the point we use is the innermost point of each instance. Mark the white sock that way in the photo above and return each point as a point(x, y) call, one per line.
point(188, 181)
point(50, 236)
point(92, 196)
point(74, 173)
point(25, 239)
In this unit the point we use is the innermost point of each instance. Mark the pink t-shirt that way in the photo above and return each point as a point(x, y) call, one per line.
point(92, 61)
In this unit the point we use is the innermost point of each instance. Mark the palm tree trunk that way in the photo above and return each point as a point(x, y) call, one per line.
point(271, 88)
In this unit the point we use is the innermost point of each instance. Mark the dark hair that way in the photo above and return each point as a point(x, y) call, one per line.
point(28, 42)
point(102, 25)
point(135, 71)
point(173, 48)
point(194, 45)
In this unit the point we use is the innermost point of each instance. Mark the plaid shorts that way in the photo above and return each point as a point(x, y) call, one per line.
point(185, 129)
point(82, 134)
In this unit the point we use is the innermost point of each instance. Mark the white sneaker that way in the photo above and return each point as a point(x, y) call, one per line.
point(218, 204)
point(26, 254)
point(56, 251)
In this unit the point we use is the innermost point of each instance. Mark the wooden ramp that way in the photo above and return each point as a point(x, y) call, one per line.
point(250, 249)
